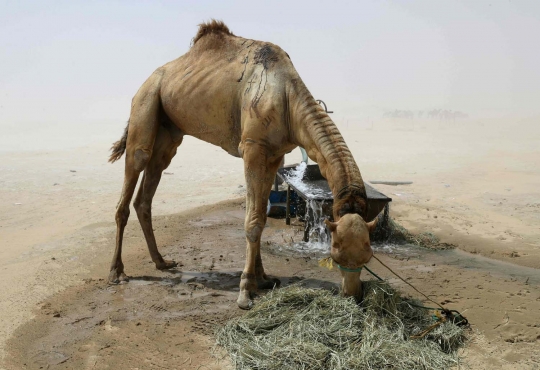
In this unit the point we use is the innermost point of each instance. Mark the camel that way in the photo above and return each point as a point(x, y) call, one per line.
point(246, 97)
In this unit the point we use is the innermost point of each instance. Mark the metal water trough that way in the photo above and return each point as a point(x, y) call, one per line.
point(314, 180)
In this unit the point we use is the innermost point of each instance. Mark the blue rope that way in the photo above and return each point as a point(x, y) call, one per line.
point(358, 269)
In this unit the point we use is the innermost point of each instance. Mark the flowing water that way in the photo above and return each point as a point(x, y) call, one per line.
point(319, 242)
point(319, 239)
point(296, 179)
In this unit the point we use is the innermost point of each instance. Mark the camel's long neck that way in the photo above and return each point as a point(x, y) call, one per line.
point(312, 129)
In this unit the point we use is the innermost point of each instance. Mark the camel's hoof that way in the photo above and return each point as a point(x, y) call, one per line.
point(166, 264)
point(117, 278)
point(244, 301)
point(268, 283)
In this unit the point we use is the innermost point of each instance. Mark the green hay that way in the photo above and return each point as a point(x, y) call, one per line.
point(300, 328)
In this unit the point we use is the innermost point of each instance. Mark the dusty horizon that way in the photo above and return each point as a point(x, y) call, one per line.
point(76, 63)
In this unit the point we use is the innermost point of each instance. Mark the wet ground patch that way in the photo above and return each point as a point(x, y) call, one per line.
point(166, 319)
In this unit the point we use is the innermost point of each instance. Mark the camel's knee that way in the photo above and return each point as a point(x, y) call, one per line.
point(254, 231)
point(143, 209)
point(140, 159)
point(122, 215)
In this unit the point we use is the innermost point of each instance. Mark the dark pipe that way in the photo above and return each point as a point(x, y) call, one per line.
point(287, 211)
point(325, 107)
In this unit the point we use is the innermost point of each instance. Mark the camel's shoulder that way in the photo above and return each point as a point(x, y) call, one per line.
point(215, 36)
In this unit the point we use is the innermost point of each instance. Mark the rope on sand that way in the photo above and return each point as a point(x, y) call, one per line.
point(453, 316)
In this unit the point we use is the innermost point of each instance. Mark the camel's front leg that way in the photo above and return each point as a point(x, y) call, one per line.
point(259, 172)
point(263, 281)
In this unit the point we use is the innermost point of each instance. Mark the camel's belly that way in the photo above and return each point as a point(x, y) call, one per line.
point(219, 132)
point(223, 139)
point(203, 107)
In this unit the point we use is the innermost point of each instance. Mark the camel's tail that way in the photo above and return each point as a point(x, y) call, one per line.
point(119, 147)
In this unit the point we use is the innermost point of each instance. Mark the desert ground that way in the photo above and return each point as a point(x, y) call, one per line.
point(475, 186)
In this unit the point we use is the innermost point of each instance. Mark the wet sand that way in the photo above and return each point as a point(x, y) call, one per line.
point(474, 186)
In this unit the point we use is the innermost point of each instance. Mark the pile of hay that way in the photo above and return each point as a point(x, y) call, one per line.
point(300, 328)
point(389, 231)
point(399, 235)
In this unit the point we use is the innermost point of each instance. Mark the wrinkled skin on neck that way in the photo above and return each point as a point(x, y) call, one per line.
point(351, 248)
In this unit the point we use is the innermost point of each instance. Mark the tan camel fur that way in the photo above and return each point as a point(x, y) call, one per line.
point(246, 97)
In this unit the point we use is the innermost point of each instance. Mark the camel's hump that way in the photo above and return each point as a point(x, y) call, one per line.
point(214, 26)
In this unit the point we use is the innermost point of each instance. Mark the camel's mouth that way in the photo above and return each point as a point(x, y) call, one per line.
point(345, 263)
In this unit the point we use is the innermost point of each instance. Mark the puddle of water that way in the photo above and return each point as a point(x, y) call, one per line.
point(197, 276)
point(301, 249)
point(193, 276)
point(321, 248)
point(451, 257)
point(186, 277)
point(400, 250)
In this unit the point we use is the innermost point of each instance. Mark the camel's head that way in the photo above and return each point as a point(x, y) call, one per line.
point(351, 249)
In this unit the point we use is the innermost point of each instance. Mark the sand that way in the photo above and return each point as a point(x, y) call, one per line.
point(475, 185)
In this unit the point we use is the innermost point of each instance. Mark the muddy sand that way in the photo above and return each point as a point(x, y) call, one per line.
point(474, 188)
point(166, 319)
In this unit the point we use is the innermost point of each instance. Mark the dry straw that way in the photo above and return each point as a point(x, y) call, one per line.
point(300, 328)
point(390, 231)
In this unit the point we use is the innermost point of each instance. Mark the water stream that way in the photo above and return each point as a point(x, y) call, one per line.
point(319, 239)
point(319, 243)
point(296, 177)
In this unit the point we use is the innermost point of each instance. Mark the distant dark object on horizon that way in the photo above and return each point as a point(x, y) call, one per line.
point(434, 114)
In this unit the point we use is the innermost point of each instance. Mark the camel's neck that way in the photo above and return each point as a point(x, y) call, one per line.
point(312, 128)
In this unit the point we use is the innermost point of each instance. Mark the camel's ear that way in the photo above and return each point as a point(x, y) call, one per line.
point(332, 226)
point(372, 225)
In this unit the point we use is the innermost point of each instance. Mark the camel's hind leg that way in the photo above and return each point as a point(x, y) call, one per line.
point(164, 150)
point(134, 164)
point(142, 130)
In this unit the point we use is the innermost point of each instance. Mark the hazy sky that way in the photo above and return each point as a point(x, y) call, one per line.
point(77, 63)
